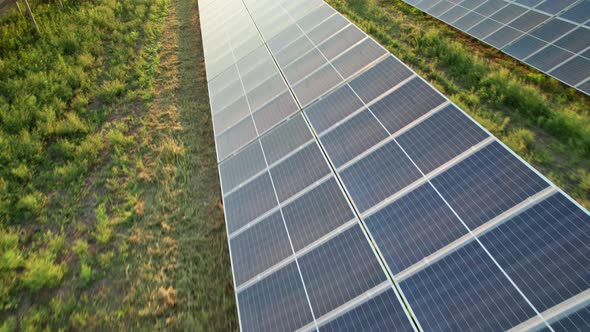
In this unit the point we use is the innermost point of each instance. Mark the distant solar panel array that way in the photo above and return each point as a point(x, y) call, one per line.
point(357, 197)
point(550, 35)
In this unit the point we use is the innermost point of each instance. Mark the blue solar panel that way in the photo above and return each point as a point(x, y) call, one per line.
point(440, 138)
point(259, 248)
point(299, 171)
point(377, 80)
point(333, 108)
point(340, 270)
point(413, 227)
point(353, 137)
point(381, 313)
point(315, 214)
point(406, 104)
point(486, 184)
point(249, 202)
point(545, 250)
point(465, 291)
point(499, 23)
point(242, 166)
point(381, 173)
point(276, 303)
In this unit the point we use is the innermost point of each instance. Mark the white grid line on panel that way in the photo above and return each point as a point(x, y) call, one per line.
point(401, 193)
point(394, 135)
point(470, 237)
point(284, 203)
point(403, 303)
point(403, 150)
point(332, 234)
point(350, 305)
point(556, 312)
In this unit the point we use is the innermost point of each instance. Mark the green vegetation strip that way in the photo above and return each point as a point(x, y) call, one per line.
point(109, 198)
point(544, 121)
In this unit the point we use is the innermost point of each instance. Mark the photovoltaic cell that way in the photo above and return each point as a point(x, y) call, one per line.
point(333, 108)
point(353, 137)
point(440, 8)
point(358, 57)
point(286, 37)
point(453, 14)
point(327, 29)
point(469, 20)
point(340, 270)
point(274, 112)
point(508, 13)
point(575, 41)
point(316, 16)
point(573, 71)
point(486, 184)
point(304, 66)
point(502, 37)
point(259, 74)
point(413, 227)
point(276, 303)
point(380, 313)
point(380, 78)
point(227, 96)
point(484, 29)
point(465, 291)
point(545, 250)
point(285, 138)
point(316, 85)
point(249, 202)
point(266, 91)
point(242, 166)
point(379, 175)
point(548, 57)
point(316, 213)
point(554, 6)
point(471, 4)
point(231, 115)
point(528, 21)
point(260, 247)
point(440, 138)
point(552, 30)
point(293, 51)
point(406, 104)
point(299, 171)
point(524, 47)
point(235, 137)
point(341, 41)
point(579, 13)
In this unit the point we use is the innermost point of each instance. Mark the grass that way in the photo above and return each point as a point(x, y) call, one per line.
point(109, 196)
point(541, 119)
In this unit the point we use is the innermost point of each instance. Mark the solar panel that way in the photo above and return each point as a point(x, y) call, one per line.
point(357, 197)
point(540, 33)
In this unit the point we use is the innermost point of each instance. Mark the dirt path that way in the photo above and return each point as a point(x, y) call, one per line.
point(185, 283)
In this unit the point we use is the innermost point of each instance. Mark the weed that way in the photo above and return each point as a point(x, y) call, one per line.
point(42, 271)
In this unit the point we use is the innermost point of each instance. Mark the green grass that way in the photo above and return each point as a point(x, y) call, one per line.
point(110, 211)
point(544, 121)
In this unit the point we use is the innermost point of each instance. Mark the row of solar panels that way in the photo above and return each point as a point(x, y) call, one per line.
point(550, 35)
point(379, 167)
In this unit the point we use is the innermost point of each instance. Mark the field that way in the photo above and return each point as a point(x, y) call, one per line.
point(110, 208)
point(109, 196)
